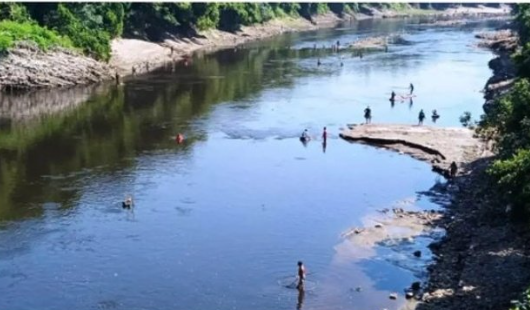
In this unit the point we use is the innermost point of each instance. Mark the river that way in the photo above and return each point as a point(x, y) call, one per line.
point(221, 220)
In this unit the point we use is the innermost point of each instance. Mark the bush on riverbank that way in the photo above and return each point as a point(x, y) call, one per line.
point(12, 32)
point(510, 116)
point(524, 303)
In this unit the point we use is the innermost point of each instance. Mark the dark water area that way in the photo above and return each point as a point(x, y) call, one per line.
point(221, 220)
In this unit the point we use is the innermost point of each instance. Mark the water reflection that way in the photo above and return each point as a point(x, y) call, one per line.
point(237, 197)
point(301, 296)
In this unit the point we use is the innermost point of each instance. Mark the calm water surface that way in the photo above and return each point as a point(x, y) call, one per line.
point(221, 220)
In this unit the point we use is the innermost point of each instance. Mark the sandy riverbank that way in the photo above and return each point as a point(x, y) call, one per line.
point(130, 55)
point(437, 145)
point(25, 68)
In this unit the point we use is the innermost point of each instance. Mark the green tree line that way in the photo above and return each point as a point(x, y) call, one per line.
point(89, 27)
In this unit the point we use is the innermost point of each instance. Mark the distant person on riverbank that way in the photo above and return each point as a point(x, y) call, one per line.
point(411, 88)
point(368, 115)
point(421, 117)
point(301, 276)
point(324, 135)
point(453, 170)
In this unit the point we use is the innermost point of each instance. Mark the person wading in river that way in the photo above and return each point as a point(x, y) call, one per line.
point(127, 203)
point(411, 88)
point(301, 276)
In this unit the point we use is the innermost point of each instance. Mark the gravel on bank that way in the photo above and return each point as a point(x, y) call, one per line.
point(28, 67)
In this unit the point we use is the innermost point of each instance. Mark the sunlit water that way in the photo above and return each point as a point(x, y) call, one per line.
point(221, 220)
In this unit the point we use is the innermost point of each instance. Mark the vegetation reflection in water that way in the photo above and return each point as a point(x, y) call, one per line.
point(116, 122)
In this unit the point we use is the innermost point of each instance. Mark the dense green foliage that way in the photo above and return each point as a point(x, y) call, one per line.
point(91, 26)
point(11, 31)
point(510, 118)
point(524, 303)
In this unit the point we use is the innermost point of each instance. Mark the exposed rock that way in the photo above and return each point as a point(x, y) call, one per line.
point(422, 142)
point(25, 67)
point(393, 296)
point(417, 253)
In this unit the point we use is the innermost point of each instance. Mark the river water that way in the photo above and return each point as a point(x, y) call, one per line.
point(221, 220)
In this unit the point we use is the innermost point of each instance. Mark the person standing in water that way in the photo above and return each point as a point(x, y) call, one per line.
point(393, 96)
point(411, 88)
point(453, 169)
point(324, 135)
point(368, 115)
point(301, 276)
point(435, 116)
point(421, 117)
point(179, 138)
point(305, 135)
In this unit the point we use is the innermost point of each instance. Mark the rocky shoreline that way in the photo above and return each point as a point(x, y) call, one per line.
point(28, 67)
point(483, 261)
